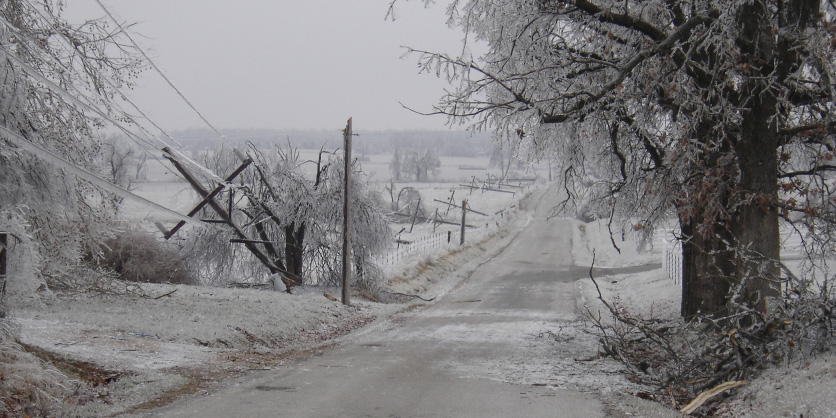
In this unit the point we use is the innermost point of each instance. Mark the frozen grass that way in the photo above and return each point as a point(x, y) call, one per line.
point(28, 387)
point(206, 318)
point(157, 344)
point(807, 390)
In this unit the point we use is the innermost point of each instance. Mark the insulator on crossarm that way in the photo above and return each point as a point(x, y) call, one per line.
point(240, 154)
point(162, 228)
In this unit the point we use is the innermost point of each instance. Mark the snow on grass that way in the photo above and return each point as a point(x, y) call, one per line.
point(204, 317)
point(156, 341)
point(808, 390)
point(622, 249)
point(650, 295)
point(27, 386)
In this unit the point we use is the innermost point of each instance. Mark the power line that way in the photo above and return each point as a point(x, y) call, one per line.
point(70, 47)
point(50, 157)
point(270, 134)
point(153, 65)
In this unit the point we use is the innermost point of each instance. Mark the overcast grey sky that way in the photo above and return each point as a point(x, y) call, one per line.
point(285, 64)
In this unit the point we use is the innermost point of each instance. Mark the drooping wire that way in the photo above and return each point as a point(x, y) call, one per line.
point(56, 160)
point(161, 73)
point(71, 48)
point(85, 103)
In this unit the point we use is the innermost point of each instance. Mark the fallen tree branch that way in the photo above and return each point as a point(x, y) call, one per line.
point(705, 396)
point(164, 295)
point(409, 296)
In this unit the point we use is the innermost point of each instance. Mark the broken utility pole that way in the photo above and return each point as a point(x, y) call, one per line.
point(208, 198)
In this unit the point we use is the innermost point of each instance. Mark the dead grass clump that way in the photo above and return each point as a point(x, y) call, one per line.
point(76, 369)
point(28, 387)
point(138, 257)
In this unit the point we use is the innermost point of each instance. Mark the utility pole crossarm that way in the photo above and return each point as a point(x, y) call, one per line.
point(207, 197)
point(459, 207)
point(222, 213)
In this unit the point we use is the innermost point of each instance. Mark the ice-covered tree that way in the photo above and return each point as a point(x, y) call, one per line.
point(420, 165)
point(395, 164)
point(122, 163)
point(51, 74)
point(717, 113)
point(294, 208)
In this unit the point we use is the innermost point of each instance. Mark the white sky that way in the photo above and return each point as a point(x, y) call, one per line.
point(285, 64)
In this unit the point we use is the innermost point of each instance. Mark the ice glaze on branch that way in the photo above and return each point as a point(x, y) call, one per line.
point(626, 70)
point(607, 16)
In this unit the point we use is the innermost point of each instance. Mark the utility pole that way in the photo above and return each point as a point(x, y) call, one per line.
point(347, 217)
point(464, 212)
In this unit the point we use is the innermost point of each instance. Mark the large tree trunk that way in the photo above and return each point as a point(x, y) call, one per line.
point(739, 258)
point(707, 265)
point(707, 260)
point(738, 255)
point(756, 221)
point(294, 249)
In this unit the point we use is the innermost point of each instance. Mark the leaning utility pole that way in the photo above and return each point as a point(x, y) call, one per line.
point(346, 217)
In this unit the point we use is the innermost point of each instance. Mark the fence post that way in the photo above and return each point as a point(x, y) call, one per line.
point(464, 213)
point(418, 206)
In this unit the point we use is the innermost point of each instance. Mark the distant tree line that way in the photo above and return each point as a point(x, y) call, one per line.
point(445, 143)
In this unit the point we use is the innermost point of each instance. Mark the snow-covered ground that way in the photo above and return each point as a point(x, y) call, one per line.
point(186, 339)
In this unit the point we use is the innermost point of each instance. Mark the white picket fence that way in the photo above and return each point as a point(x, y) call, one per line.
point(790, 247)
point(420, 245)
point(672, 262)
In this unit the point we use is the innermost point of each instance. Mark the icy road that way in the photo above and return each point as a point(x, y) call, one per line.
point(440, 361)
